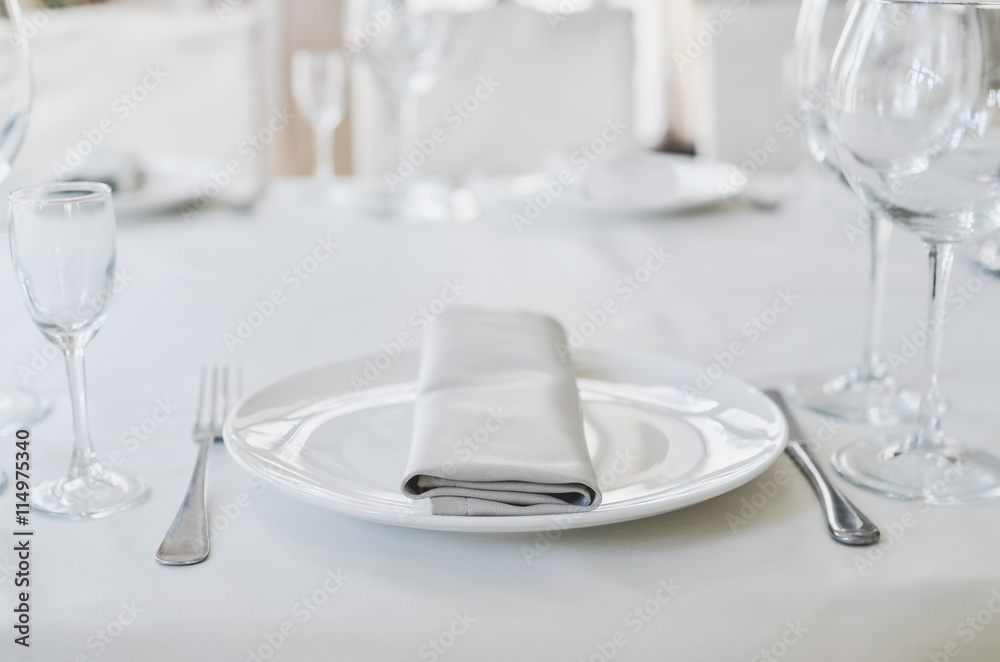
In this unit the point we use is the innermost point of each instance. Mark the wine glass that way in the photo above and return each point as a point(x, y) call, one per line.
point(18, 407)
point(318, 84)
point(867, 393)
point(62, 241)
point(916, 124)
point(406, 46)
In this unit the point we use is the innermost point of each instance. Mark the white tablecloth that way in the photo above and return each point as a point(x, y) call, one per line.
point(750, 575)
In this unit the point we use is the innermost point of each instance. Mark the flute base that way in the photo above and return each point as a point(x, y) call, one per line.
point(19, 408)
point(856, 399)
point(96, 492)
point(945, 475)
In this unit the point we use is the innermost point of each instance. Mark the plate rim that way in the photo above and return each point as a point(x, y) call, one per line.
point(520, 523)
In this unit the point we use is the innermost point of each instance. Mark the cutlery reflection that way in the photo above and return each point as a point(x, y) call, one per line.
point(847, 524)
point(187, 540)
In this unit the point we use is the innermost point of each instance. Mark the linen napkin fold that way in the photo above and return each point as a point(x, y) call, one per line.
point(497, 426)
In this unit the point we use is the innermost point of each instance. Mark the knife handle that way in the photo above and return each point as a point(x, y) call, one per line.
point(847, 524)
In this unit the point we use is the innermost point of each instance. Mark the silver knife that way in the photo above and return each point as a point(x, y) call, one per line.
point(847, 524)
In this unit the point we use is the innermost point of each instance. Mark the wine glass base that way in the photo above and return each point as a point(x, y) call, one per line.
point(857, 400)
point(20, 408)
point(946, 475)
point(96, 493)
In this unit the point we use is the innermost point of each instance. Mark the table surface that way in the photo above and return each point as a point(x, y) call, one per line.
point(749, 575)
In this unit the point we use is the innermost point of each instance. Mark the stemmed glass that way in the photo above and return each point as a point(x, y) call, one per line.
point(406, 46)
point(17, 407)
point(867, 393)
point(318, 84)
point(62, 241)
point(915, 116)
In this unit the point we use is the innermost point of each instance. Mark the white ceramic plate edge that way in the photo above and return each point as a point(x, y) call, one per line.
point(529, 523)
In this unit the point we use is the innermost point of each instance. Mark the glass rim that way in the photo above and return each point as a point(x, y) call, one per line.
point(39, 194)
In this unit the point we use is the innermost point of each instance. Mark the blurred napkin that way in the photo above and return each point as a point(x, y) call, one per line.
point(119, 170)
point(498, 428)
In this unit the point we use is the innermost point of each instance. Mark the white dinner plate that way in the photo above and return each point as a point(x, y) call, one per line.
point(635, 182)
point(655, 447)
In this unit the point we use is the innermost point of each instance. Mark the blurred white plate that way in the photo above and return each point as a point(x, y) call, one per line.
point(652, 182)
point(654, 448)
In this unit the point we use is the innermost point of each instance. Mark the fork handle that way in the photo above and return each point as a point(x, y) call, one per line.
point(187, 542)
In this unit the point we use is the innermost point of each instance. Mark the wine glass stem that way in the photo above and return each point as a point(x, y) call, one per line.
point(872, 364)
point(323, 136)
point(928, 433)
point(83, 450)
point(408, 107)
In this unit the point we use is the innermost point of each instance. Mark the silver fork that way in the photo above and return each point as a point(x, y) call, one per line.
point(187, 539)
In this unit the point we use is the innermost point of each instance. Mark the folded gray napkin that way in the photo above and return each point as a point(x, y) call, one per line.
point(497, 427)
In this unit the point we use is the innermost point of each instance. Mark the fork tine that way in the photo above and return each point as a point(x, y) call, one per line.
point(224, 399)
point(215, 397)
point(202, 393)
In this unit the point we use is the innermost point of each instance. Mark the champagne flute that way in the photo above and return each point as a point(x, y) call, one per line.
point(18, 408)
point(916, 124)
point(62, 241)
point(318, 87)
point(867, 393)
point(406, 45)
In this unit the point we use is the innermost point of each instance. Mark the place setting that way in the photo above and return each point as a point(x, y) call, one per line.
point(369, 421)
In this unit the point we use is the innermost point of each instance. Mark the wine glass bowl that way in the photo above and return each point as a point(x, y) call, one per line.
point(867, 392)
point(319, 82)
point(916, 126)
point(410, 50)
point(62, 243)
point(406, 46)
point(18, 407)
